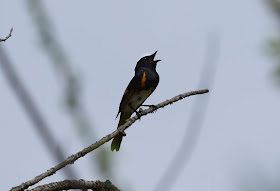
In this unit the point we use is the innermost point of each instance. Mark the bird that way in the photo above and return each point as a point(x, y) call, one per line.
point(138, 90)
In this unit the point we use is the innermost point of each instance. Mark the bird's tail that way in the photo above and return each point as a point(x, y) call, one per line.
point(116, 143)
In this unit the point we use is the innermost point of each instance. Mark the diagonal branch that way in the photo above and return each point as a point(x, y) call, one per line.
point(129, 122)
point(77, 184)
point(7, 37)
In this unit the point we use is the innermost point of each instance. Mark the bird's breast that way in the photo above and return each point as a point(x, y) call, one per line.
point(139, 97)
point(149, 80)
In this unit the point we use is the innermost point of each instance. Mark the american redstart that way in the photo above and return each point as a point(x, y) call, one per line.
point(138, 90)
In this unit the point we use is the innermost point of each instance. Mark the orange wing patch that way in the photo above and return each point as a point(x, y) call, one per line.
point(125, 91)
point(143, 80)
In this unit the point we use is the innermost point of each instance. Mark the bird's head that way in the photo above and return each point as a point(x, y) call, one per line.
point(147, 62)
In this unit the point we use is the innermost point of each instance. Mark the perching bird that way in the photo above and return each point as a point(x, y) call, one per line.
point(138, 90)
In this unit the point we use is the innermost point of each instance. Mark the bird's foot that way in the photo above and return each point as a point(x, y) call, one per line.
point(138, 113)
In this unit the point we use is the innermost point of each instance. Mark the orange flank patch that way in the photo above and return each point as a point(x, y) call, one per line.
point(125, 91)
point(143, 80)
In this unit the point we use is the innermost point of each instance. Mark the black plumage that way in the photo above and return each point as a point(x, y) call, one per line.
point(138, 90)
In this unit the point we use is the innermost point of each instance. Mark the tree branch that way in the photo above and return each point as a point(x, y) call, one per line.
point(129, 122)
point(7, 37)
point(77, 184)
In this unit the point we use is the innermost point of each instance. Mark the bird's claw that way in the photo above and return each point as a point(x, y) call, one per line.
point(138, 113)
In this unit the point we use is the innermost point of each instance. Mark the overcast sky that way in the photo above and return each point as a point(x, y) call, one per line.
point(104, 40)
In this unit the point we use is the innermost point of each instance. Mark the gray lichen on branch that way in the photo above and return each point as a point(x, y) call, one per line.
point(7, 37)
point(71, 159)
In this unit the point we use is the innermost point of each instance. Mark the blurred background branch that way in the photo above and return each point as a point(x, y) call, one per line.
point(33, 112)
point(69, 80)
point(197, 116)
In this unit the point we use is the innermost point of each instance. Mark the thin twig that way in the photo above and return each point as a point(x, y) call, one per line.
point(129, 122)
point(7, 37)
point(77, 184)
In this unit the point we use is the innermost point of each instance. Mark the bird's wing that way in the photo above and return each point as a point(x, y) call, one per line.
point(133, 87)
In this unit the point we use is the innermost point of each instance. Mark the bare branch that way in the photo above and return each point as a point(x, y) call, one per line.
point(129, 122)
point(77, 184)
point(7, 37)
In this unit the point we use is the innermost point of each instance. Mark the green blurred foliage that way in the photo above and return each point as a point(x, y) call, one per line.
point(275, 50)
point(256, 176)
point(275, 43)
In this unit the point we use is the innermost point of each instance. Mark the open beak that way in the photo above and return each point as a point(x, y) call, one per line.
point(152, 57)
